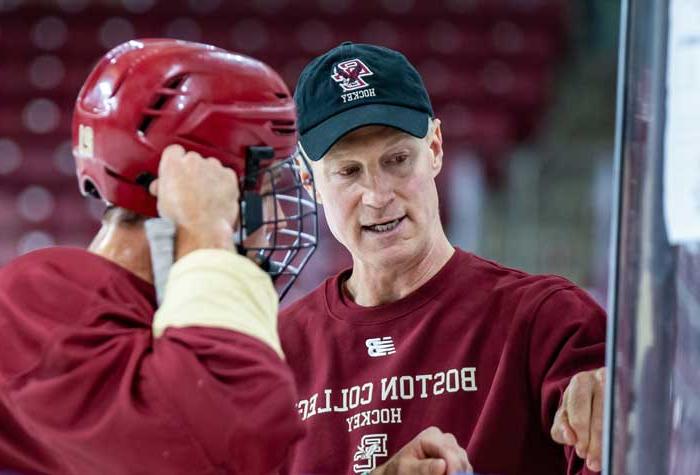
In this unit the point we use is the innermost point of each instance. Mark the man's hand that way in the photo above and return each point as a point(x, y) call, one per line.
point(432, 452)
point(200, 196)
point(579, 420)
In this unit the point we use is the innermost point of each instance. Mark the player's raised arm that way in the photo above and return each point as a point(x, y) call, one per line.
point(96, 378)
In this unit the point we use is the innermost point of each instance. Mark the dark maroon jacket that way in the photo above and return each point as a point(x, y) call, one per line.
point(86, 389)
point(481, 351)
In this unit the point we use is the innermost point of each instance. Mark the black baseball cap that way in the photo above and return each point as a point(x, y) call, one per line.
point(354, 85)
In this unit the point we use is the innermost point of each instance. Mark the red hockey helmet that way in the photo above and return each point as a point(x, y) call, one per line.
point(144, 95)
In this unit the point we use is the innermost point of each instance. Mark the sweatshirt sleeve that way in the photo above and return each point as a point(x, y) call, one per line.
point(205, 390)
point(220, 289)
point(567, 337)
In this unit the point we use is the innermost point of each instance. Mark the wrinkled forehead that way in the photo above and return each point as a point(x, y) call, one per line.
point(364, 139)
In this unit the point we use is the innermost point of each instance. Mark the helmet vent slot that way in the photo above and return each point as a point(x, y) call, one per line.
point(175, 81)
point(145, 124)
point(117, 176)
point(168, 90)
point(283, 127)
point(203, 146)
point(117, 85)
point(281, 131)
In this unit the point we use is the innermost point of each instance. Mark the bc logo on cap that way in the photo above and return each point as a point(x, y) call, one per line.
point(349, 74)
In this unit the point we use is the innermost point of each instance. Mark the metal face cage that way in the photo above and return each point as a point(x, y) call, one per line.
point(279, 217)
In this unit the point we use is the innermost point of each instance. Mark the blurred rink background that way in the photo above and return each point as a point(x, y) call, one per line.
point(525, 90)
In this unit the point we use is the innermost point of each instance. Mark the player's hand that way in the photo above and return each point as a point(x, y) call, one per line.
point(432, 452)
point(199, 195)
point(579, 420)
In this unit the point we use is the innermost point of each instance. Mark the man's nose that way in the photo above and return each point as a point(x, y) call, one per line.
point(378, 192)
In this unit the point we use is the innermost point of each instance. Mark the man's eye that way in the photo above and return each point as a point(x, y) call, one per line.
point(348, 171)
point(398, 159)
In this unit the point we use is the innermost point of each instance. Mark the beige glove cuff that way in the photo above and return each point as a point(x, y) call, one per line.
point(220, 289)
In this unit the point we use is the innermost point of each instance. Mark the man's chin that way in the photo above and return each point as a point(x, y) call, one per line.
point(389, 253)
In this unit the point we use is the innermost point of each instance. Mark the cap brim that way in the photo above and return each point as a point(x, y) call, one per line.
point(318, 140)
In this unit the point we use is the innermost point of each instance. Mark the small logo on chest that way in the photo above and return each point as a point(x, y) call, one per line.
point(371, 446)
point(377, 347)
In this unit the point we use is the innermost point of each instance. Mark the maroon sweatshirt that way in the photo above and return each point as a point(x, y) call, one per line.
point(482, 351)
point(86, 389)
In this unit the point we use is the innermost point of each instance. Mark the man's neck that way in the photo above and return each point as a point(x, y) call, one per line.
point(371, 284)
point(126, 246)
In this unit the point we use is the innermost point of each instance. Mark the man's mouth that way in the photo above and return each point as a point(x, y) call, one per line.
point(385, 226)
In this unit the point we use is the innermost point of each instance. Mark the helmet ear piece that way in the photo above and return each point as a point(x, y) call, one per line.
point(89, 189)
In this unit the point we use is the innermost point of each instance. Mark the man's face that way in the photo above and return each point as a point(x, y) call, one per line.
point(378, 192)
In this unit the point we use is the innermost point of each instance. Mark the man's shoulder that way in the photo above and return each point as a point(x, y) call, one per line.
point(489, 266)
point(506, 279)
point(46, 262)
point(65, 277)
point(46, 277)
point(541, 296)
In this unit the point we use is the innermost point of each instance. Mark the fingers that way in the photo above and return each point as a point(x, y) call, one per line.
point(175, 155)
point(579, 420)
point(457, 459)
point(579, 407)
point(561, 431)
point(593, 460)
point(430, 452)
point(411, 466)
point(436, 444)
point(194, 191)
point(429, 467)
point(172, 150)
point(169, 153)
point(153, 187)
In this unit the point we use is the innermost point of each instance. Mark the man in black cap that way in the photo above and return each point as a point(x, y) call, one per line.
point(418, 333)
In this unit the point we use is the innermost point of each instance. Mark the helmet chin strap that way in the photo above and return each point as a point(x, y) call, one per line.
point(161, 233)
point(161, 240)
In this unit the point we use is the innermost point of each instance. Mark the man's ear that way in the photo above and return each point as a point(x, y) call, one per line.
point(305, 175)
point(435, 144)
